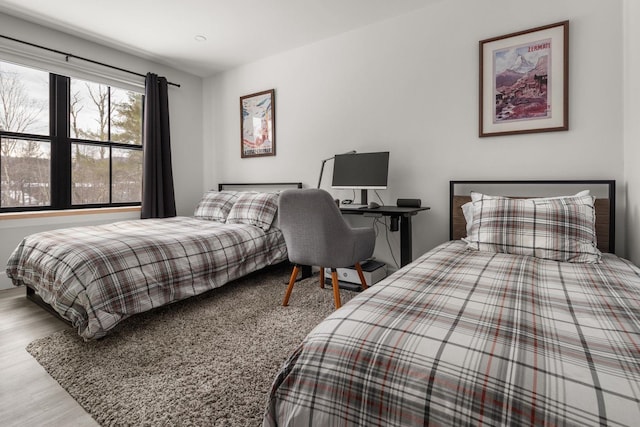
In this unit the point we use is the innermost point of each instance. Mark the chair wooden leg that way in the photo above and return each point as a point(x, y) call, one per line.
point(361, 275)
point(292, 280)
point(322, 277)
point(336, 288)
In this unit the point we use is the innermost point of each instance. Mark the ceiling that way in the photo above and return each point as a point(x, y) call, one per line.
point(236, 31)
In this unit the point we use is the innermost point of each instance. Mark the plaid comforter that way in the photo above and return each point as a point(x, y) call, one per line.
point(96, 276)
point(472, 338)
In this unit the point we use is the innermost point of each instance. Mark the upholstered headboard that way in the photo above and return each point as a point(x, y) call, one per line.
point(603, 190)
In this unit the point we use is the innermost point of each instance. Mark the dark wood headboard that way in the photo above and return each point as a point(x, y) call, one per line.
point(262, 186)
point(605, 204)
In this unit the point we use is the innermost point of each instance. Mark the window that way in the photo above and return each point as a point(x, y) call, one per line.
point(67, 143)
point(25, 144)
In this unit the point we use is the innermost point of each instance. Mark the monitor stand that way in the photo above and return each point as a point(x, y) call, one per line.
point(363, 198)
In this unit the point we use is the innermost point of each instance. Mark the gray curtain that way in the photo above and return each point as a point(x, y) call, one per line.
point(158, 199)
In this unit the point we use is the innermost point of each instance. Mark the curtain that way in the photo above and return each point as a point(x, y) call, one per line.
point(158, 199)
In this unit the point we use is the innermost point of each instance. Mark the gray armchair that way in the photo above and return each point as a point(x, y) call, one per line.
point(316, 234)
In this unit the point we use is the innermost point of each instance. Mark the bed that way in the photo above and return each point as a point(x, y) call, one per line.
point(473, 335)
point(94, 277)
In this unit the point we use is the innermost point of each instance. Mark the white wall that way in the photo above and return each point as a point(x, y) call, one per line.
point(409, 85)
point(185, 105)
point(631, 15)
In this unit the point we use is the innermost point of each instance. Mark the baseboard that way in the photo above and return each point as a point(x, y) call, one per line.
point(5, 282)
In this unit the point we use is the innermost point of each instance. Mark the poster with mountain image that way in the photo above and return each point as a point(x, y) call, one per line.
point(522, 82)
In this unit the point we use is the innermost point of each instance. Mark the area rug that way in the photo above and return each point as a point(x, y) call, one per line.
point(206, 361)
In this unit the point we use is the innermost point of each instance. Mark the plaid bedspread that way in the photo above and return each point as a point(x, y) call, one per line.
point(96, 276)
point(470, 338)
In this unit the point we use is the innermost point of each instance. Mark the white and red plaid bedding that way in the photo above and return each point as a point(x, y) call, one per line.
point(96, 276)
point(462, 337)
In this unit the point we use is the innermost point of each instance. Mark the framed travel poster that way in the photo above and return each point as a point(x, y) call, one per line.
point(524, 84)
point(258, 124)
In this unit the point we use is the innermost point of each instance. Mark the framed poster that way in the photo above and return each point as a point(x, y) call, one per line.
point(524, 84)
point(258, 124)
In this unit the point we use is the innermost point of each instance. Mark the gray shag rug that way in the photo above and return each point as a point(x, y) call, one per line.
point(206, 361)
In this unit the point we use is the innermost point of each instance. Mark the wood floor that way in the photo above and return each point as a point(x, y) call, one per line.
point(28, 395)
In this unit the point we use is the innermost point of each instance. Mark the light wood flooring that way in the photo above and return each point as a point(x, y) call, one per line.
point(28, 395)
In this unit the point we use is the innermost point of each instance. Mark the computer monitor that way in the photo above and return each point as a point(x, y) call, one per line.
point(361, 171)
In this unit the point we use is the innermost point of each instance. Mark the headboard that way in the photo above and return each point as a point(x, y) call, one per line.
point(603, 190)
point(260, 186)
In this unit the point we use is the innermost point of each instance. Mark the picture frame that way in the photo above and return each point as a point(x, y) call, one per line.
point(258, 124)
point(524, 81)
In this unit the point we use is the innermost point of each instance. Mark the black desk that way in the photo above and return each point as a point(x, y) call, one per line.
point(395, 213)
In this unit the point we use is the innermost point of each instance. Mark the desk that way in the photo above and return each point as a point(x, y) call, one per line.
point(395, 213)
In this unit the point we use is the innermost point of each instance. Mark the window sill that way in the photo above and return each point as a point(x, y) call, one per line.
point(67, 212)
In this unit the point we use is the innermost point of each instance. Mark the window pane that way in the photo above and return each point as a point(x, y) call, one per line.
point(127, 175)
point(89, 110)
point(26, 173)
point(126, 116)
point(89, 174)
point(24, 95)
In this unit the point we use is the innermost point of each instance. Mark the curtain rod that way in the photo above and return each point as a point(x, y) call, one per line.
point(70, 55)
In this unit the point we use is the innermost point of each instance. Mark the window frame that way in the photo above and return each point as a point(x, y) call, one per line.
point(60, 183)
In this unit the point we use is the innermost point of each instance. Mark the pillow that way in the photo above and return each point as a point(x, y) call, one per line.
point(467, 211)
point(257, 209)
point(215, 205)
point(556, 228)
point(467, 208)
point(475, 196)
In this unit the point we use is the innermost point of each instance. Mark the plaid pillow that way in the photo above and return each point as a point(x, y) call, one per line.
point(560, 229)
point(215, 205)
point(257, 209)
point(467, 208)
point(475, 196)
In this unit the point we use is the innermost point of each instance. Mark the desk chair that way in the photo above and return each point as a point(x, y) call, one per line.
point(316, 234)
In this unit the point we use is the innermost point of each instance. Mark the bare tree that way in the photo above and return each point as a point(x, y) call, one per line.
point(100, 98)
point(18, 113)
point(75, 107)
point(91, 163)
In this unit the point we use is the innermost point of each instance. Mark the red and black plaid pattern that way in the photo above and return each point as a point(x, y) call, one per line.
point(215, 205)
point(561, 229)
point(464, 337)
point(257, 209)
point(97, 276)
